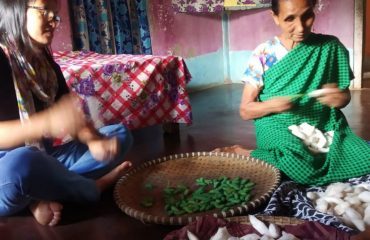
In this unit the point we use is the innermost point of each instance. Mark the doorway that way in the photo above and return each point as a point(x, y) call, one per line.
point(366, 59)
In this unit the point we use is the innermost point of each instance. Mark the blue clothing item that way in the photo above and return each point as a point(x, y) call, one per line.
point(62, 173)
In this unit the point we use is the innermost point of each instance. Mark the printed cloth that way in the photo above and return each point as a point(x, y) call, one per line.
point(136, 90)
point(215, 6)
point(115, 26)
point(318, 60)
point(26, 85)
point(200, 6)
point(290, 200)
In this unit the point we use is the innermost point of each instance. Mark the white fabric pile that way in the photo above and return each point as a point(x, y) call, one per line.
point(266, 233)
point(314, 139)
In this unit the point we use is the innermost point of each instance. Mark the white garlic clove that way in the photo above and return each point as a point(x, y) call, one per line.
point(233, 238)
point(274, 231)
point(266, 237)
point(252, 236)
point(346, 220)
point(221, 234)
point(333, 200)
point(307, 129)
point(365, 186)
point(312, 195)
point(340, 208)
point(352, 214)
point(364, 196)
point(358, 190)
point(287, 236)
point(191, 235)
point(367, 215)
point(354, 200)
point(258, 225)
point(359, 224)
point(321, 205)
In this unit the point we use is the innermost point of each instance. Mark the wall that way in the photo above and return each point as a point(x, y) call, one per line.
point(196, 37)
point(216, 47)
point(63, 34)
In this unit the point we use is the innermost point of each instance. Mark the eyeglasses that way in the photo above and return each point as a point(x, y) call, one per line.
point(48, 15)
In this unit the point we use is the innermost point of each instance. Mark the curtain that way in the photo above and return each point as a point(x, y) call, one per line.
point(111, 26)
point(212, 6)
point(202, 6)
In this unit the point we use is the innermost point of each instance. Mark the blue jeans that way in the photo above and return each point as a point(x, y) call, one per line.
point(63, 173)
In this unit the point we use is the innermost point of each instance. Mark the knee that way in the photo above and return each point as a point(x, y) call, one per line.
point(16, 169)
point(19, 162)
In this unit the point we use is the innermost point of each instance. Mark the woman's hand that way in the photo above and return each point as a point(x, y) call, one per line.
point(251, 109)
point(104, 149)
point(279, 104)
point(336, 98)
point(64, 117)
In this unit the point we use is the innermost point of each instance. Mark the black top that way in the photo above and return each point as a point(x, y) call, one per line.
point(8, 100)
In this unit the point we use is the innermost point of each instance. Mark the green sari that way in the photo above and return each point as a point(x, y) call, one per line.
point(318, 60)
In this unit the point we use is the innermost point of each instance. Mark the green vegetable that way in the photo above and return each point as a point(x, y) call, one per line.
point(221, 193)
point(147, 202)
point(149, 186)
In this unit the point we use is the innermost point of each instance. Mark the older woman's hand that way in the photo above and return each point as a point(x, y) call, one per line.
point(336, 97)
point(279, 104)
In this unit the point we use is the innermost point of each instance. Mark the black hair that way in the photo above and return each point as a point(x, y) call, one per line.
point(275, 5)
point(13, 23)
point(14, 35)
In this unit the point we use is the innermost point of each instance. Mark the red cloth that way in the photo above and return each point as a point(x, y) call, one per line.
point(206, 227)
point(136, 90)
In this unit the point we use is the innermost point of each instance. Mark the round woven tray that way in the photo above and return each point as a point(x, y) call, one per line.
point(185, 168)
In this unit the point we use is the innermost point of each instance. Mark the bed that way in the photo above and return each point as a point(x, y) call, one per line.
point(136, 90)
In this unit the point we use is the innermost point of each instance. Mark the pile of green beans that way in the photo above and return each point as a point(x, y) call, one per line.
point(221, 193)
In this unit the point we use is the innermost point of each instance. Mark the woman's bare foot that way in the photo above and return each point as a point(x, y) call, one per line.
point(47, 213)
point(237, 149)
point(110, 178)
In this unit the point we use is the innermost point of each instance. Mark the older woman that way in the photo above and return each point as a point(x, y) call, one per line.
point(296, 85)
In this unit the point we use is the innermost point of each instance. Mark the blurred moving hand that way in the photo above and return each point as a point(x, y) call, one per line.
point(64, 117)
point(104, 149)
point(336, 98)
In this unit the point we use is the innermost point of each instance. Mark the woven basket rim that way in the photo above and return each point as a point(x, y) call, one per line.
point(278, 220)
point(183, 220)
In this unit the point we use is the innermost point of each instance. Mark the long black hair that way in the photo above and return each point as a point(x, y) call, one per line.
point(13, 25)
point(275, 5)
point(14, 36)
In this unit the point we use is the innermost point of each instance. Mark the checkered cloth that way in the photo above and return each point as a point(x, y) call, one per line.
point(136, 90)
point(318, 60)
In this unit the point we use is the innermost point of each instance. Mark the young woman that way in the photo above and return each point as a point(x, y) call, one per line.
point(35, 108)
point(279, 75)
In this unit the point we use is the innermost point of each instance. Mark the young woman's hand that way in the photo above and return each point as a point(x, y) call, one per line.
point(336, 98)
point(104, 149)
point(64, 117)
